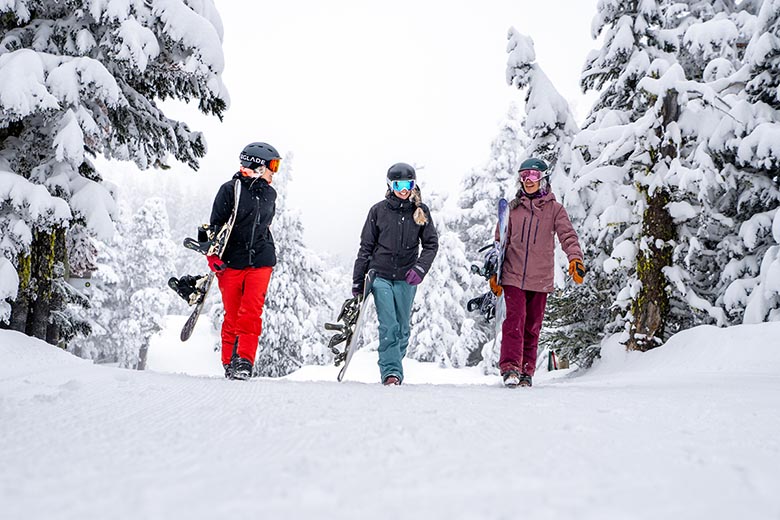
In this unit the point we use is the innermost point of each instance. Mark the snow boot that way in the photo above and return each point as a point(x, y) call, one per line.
point(525, 380)
point(391, 380)
point(228, 370)
point(511, 378)
point(242, 369)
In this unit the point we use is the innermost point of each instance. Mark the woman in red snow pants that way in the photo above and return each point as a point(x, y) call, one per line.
point(244, 269)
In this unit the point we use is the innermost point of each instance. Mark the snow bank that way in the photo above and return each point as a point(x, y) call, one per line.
point(698, 352)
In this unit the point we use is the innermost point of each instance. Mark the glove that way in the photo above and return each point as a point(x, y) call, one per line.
point(413, 277)
point(215, 263)
point(357, 290)
point(494, 287)
point(577, 270)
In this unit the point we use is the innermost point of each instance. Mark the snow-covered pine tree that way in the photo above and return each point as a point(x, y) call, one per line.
point(149, 256)
point(442, 332)
point(551, 128)
point(632, 146)
point(746, 147)
point(128, 290)
point(297, 303)
point(77, 80)
point(481, 189)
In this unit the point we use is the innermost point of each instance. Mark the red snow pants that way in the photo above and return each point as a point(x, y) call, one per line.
point(243, 294)
point(520, 331)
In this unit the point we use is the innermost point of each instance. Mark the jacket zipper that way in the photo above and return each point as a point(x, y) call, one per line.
point(527, 246)
point(536, 232)
point(254, 226)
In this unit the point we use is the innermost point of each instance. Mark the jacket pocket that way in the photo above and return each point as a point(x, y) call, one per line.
point(536, 231)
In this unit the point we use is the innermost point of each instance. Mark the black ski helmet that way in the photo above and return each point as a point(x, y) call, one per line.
point(401, 172)
point(257, 154)
point(533, 163)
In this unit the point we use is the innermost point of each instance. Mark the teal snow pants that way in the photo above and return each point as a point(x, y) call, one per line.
point(393, 308)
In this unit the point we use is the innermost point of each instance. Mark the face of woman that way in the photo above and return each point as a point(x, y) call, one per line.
point(267, 175)
point(530, 186)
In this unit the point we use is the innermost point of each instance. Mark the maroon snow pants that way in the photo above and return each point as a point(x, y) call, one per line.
point(243, 295)
point(520, 331)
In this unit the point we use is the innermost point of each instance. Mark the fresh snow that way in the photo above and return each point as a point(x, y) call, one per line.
point(688, 430)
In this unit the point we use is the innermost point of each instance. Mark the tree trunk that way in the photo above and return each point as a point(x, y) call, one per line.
point(60, 271)
point(42, 254)
point(651, 306)
point(142, 355)
point(20, 308)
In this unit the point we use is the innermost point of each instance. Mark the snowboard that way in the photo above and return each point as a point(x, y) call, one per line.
point(352, 318)
point(503, 228)
point(215, 244)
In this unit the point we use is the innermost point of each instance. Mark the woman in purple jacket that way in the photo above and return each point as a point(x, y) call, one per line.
point(535, 217)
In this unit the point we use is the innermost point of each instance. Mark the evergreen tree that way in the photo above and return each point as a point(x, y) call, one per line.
point(440, 331)
point(149, 253)
point(81, 79)
point(128, 291)
point(745, 148)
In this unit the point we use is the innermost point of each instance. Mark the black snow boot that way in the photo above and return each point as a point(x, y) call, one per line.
point(242, 369)
point(525, 380)
point(512, 378)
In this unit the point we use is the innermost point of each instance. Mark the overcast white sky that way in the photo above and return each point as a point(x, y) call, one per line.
point(351, 87)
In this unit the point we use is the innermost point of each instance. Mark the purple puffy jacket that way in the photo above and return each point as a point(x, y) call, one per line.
point(530, 250)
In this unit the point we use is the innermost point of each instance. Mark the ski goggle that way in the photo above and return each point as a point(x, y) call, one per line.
point(531, 175)
point(402, 185)
point(273, 165)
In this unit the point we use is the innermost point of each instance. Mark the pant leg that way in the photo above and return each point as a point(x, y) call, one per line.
point(249, 320)
point(403, 294)
point(512, 330)
point(535, 305)
point(230, 283)
point(389, 329)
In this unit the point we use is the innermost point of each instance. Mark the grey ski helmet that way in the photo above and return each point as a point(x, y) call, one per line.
point(258, 154)
point(401, 172)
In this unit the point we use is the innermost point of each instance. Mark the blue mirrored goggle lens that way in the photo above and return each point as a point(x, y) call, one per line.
point(402, 185)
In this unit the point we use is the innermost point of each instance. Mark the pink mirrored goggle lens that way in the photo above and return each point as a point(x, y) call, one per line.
point(531, 175)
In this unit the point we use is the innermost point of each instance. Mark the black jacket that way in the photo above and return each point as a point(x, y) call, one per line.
point(391, 239)
point(250, 243)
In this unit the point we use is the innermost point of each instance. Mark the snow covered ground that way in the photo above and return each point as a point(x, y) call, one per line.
point(689, 430)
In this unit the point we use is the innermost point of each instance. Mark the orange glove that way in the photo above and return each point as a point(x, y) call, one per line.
point(497, 289)
point(577, 270)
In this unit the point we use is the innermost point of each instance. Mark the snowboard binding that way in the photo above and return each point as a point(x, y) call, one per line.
point(348, 317)
point(190, 288)
point(485, 303)
point(489, 265)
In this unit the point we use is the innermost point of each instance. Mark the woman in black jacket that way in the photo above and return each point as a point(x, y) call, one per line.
point(244, 269)
point(390, 244)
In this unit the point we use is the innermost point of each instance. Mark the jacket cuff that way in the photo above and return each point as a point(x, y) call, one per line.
point(419, 270)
